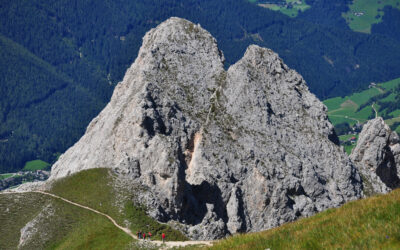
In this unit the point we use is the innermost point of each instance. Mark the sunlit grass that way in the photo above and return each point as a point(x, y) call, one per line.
point(95, 188)
point(35, 165)
point(372, 223)
point(345, 109)
point(66, 227)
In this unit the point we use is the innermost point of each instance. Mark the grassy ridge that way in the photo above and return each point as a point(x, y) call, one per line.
point(85, 230)
point(96, 188)
point(372, 223)
point(65, 227)
point(15, 212)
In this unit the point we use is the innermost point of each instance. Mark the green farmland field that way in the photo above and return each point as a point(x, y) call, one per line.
point(36, 165)
point(357, 108)
point(291, 8)
point(5, 176)
point(348, 147)
point(363, 13)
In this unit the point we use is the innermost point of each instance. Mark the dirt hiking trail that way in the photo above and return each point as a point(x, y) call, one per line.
point(165, 245)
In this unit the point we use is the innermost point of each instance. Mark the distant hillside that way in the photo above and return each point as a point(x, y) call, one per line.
point(348, 113)
point(359, 16)
point(372, 223)
point(359, 107)
point(362, 14)
point(88, 45)
point(38, 108)
point(290, 8)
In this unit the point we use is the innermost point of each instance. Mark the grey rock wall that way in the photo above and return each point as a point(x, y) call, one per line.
point(218, 151)
point(377, 156)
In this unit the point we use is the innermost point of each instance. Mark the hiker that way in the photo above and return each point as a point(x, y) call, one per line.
point(163, 237)
point(137, 233)
point(140, 234)
point(144, 236)
point(149, 236)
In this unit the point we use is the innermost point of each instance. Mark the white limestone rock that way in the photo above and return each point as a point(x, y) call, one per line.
point(220, 151)
point(377, 155)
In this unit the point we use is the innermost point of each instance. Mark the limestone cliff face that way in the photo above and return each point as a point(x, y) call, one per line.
point(377, 156)
point(219, 151)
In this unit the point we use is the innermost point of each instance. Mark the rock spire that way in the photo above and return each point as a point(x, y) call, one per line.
point(377, 156)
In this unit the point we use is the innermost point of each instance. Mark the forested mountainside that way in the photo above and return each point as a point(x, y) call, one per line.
point(38, 107)
point(390, 25)
point(88, 45)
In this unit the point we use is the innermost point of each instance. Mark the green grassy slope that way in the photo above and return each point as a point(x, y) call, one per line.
point(372, 223)
point(65, 227)
point(99, 189)
point(70, 227)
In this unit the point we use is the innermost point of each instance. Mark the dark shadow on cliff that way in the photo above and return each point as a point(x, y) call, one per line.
point(387, 171)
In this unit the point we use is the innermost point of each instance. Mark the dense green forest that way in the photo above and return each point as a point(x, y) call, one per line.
point(61, 59)
point(390, 23)
point(38, 108)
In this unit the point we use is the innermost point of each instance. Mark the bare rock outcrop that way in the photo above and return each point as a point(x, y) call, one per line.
point(31, 234)
point(377, 156)
point(218, 151)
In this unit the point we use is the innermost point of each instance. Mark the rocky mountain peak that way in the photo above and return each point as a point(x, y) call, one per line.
point(217, 151)
point(377, 155)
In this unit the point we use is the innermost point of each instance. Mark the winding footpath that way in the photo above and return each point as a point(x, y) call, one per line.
point(167, 244)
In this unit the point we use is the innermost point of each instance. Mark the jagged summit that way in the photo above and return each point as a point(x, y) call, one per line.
point(377, 156)
point(218, 151)
point(178, 60)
